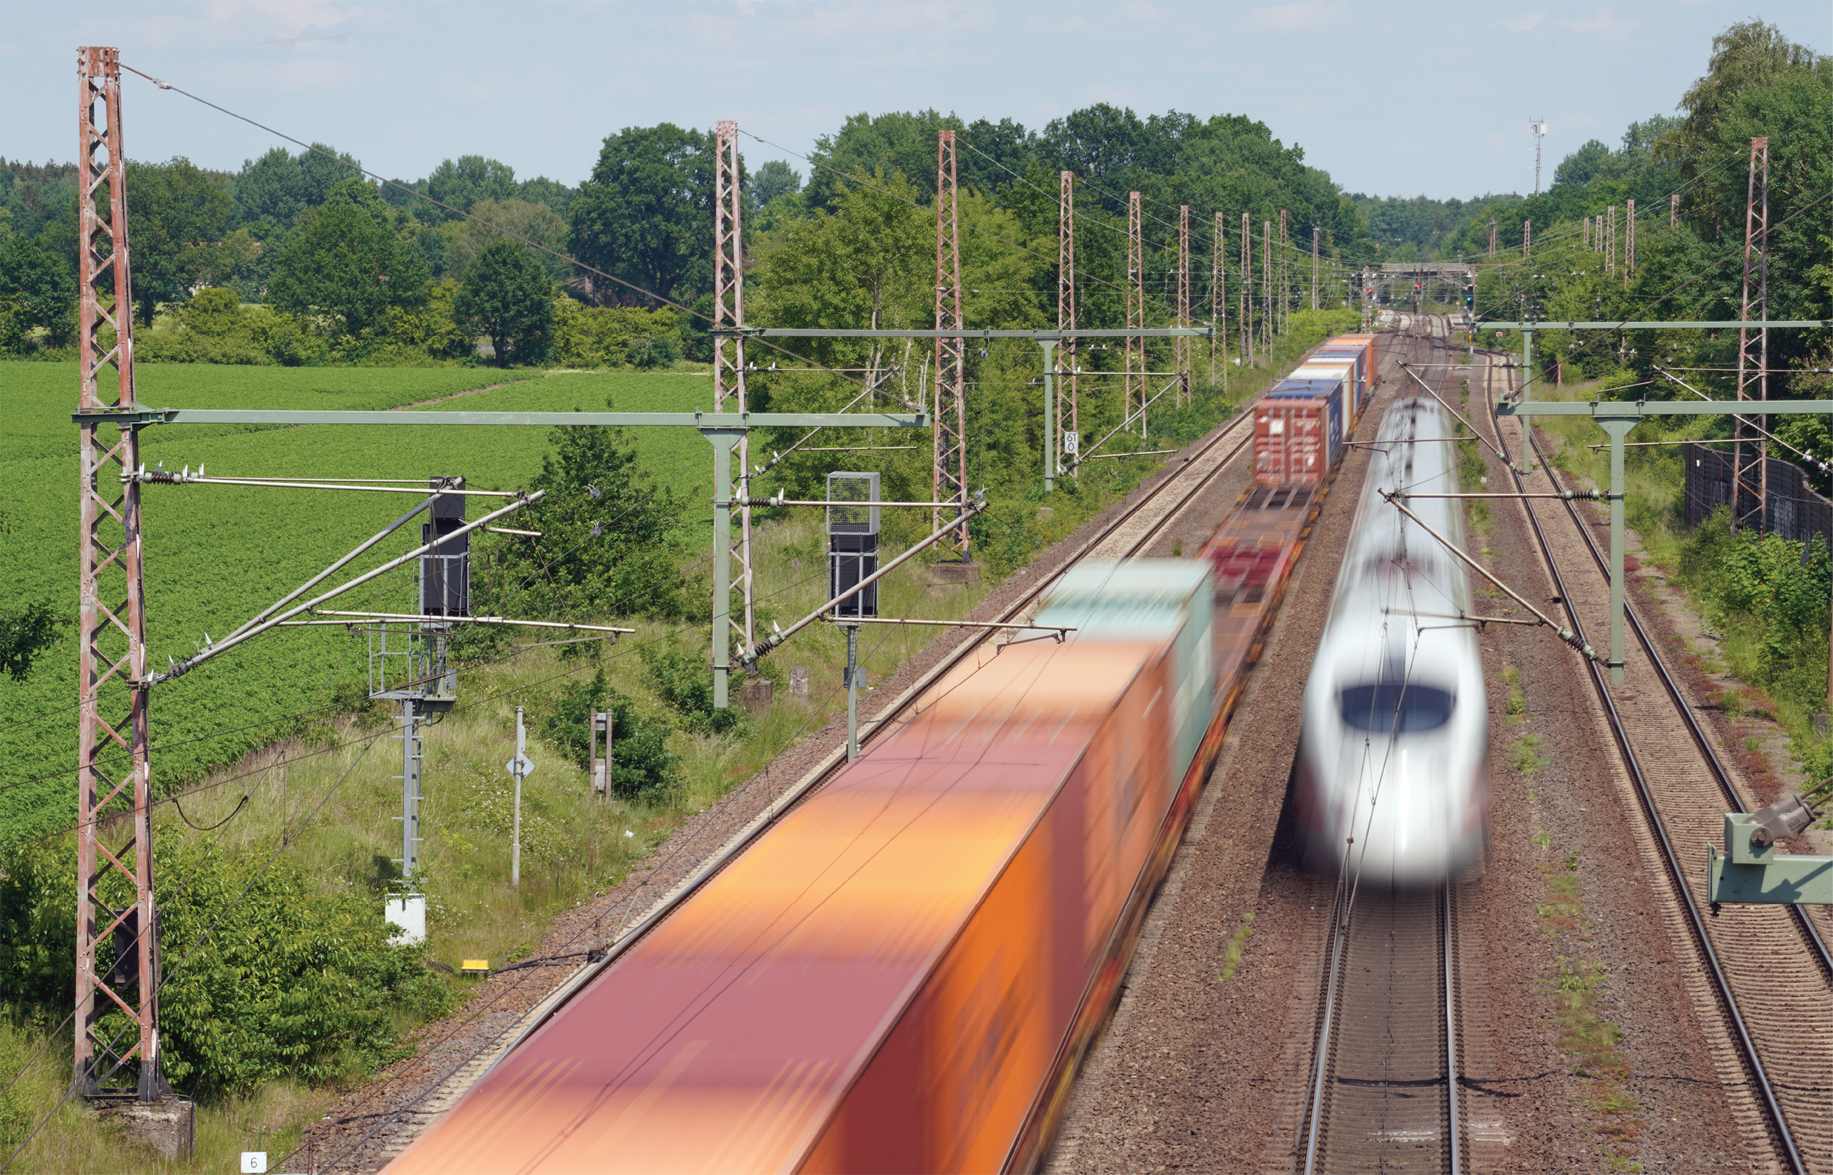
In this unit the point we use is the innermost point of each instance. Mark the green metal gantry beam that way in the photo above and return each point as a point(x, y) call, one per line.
point(722, 429)
point(1617, 417)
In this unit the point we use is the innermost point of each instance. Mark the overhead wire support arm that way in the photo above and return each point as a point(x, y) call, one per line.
point(214, 649)
point(1565, 634)
point(1503, 457)
point(751, 656)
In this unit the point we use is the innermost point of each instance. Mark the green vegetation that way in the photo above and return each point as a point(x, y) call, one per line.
point(1588, 1040)
point(1231, 959)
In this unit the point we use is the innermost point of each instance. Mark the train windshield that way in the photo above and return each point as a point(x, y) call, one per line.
point(1395, 707)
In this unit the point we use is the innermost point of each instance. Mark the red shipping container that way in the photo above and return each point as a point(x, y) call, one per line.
point(1291, 442)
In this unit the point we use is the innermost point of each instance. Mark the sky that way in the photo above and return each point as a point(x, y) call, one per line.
point(1396, 99)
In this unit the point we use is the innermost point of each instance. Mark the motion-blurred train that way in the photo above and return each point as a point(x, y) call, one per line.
point(1393, 773)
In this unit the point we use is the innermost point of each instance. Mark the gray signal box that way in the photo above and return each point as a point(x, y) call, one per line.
point(445, 571)
point(852, 542)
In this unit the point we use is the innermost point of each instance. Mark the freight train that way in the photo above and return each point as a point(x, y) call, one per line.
point(1393, 772)
point(905, 971)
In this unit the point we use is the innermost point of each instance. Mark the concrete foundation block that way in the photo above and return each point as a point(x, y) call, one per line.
point(168, 1125)
point(754, 695)
point(954, 575)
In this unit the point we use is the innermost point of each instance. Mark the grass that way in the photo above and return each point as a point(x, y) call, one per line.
point(1231, 959)
point(1587, 1039)
point(218, 554)
point(1515, 710)
point(1528, 758)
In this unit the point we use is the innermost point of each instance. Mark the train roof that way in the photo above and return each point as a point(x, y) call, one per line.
point(1144, 599)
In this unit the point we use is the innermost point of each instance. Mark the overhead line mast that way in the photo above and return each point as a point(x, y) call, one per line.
point(112, 614)
point(950, 482)
point(1066, 307)
point(1750, 456)
point(1247, 276)
point(1184, 349)
point(1136, 320)
point(1218, 300)
point(729, 355)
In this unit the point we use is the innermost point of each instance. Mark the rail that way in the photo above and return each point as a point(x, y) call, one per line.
point(1670, 857)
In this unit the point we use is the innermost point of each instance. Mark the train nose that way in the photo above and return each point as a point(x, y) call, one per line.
point(1406, 826)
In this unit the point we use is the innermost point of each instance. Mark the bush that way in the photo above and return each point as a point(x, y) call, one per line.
point(289, 981)
point(1779, 587)
point(642, 769)
point(685, 682)
point(613, 336)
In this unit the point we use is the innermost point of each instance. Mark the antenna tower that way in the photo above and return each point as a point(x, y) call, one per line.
point(1539, 128)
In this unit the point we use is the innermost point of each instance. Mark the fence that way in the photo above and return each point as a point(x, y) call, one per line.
point(1793, 509)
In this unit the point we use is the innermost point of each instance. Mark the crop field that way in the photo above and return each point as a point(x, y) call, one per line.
point(216, 555)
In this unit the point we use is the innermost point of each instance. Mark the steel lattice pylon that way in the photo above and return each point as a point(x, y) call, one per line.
point(951, 354)
point(1136, 317)
point(729, 354)
point(1750, 456)
point(1247, 276)
point(1287, 301)
point(1218, 298)
point(1527, 237)
point(1183, 342)
point(1629, 241)
point(1266, 284)
point(1315, 241)
point(1066, 307)
point(1610, 239)
point(114, 884)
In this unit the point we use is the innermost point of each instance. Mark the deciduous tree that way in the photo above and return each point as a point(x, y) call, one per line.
point(508, 296)
point(346, 264)
point(646, 215)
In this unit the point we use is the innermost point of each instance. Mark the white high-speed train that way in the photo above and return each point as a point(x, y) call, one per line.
point(1393, 771)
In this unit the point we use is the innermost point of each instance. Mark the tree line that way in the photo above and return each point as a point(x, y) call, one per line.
point(355, 269)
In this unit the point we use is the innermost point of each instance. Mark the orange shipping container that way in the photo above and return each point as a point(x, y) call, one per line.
point(895, 978)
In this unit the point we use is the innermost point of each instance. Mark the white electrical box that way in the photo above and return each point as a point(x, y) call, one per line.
point(408, 911)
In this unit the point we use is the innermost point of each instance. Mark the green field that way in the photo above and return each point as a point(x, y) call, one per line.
point(216, 555)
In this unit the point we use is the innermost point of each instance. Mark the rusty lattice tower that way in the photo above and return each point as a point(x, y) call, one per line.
point(951, 354)
point(1266, 284)
point(729, 356)
point(1066, 306)
point(1136, 316)
point(1218, 299)
point(1285, 275)
point(1315, 240)
point(1750, 464)
point(117, 1013)
point(1183, 342)
point(1629, 241)
point(1247, 276)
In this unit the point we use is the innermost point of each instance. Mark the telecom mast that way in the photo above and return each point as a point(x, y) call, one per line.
point(1539, 129)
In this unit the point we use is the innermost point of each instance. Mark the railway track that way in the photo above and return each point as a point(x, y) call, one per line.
point(1766, 970)
point(1383, 1090)
point(1383, 1087)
